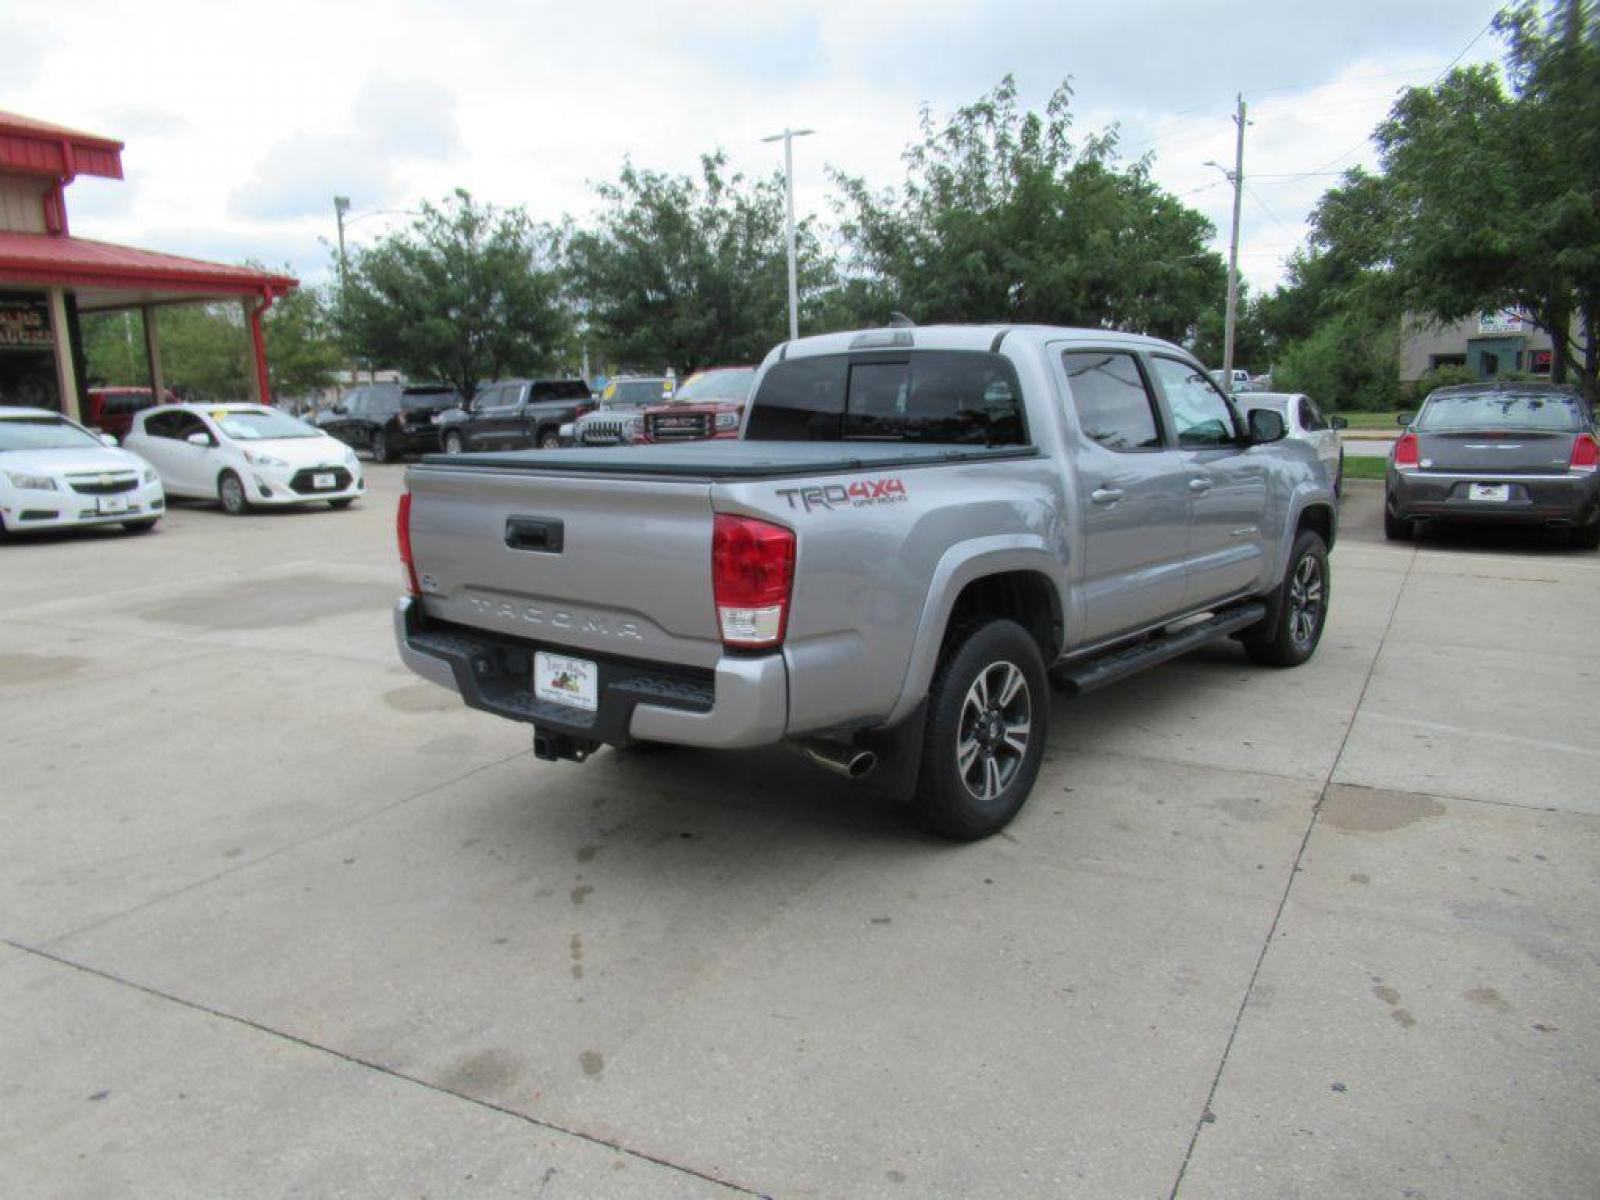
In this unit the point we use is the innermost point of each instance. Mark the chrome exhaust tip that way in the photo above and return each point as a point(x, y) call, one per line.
point(848, 761)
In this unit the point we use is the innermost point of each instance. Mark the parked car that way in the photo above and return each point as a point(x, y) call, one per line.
point(388, 420)
point(245, 455)
point(916, 527)
point(620, 416)
point(1304, 420)
point(111, 409)
point(710, 404)
point(514, 414)
point(55, 474)
point(1508, 453)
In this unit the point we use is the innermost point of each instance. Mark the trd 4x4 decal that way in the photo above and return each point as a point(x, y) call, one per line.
point(862, 493)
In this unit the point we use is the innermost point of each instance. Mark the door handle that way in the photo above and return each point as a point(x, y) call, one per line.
point(535, 533)
point(1105, 495)
point(1201, 484)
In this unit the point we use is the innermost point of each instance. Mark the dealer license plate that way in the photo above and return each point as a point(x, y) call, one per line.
point(321, 482)
point(1500, 492)
point(562, 680)
point(112, 504)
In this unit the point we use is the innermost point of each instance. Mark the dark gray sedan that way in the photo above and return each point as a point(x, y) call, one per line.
point(1507, 453)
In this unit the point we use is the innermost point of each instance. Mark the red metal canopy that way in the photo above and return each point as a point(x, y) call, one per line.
point(41, 148)
point(60, 261)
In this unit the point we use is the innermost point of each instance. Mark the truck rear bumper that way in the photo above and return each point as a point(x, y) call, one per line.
point(740, 702)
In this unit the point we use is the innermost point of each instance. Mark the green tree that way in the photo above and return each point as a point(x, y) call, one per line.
point(469, 292)
point(1002, 217)
point(303, 349)
point(690, 272)
point(1496, 193)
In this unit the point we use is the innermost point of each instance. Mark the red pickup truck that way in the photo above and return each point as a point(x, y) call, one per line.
point(710, 404)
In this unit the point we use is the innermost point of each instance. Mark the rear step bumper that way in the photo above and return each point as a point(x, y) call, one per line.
point(741, 702)
point(1118, 664)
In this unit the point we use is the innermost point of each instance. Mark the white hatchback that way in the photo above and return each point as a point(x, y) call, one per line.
point(245, 455)
point(1304, 420)
point(55, 474)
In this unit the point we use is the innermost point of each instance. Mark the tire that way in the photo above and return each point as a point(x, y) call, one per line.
point(230, 490)
point(144, 526)
point(1338, 479)
point(1300, 608)
point(550, 439)
point(1395, 528)
point(452, 443)
point(989, 692)
point(342, 502)
point(380, 446)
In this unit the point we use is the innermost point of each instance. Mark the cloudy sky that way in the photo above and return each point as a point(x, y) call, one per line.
point(243, 121)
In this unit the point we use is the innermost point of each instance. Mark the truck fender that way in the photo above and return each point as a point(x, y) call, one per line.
point(1306, 494)
point(959, 566)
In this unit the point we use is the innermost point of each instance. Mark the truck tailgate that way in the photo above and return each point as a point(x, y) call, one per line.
point(525, 553)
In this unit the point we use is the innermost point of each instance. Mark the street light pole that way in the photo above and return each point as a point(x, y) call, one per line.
point(1235, 177)
point(787, 137)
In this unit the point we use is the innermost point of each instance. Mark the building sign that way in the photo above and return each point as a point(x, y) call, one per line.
point(1505, 321)
point(25, 323)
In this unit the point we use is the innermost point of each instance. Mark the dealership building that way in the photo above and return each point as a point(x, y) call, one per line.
point(1489, 345)
point(49, 278)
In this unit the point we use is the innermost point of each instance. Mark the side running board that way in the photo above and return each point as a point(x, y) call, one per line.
point(1096, 673)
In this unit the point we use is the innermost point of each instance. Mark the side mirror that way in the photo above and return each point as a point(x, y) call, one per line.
point(1339, 422)
point(199, 439)
point(1404, 419)
point(1266, 425)
point(109, 439)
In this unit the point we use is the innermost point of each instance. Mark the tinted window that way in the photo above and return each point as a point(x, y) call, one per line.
point(164, 425)
point(1200, 416)
point(1311, 416)
point(1554, 411)
point(383, 404)
point(561, 389)
point(935, 396)
point(440, 399)
point(1113, 404)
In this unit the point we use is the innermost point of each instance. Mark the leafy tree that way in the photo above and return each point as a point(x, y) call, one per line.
point(690, 272)
point(469, 292)
point(1496, 194)
point(303, 350)
point(1002, 217)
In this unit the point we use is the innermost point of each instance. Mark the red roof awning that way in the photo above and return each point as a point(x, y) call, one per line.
point(38, 258)
point(41, 148)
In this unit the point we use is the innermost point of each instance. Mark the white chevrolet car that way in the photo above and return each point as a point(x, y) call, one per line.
point(55, 474)
point(245, 455)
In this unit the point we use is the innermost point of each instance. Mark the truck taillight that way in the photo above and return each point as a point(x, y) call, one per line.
point(1406, 452)
point(402, 528)
point(1585, 454)
point(752, 572)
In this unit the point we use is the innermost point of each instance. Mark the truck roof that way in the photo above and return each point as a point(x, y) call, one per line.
point(957, 337)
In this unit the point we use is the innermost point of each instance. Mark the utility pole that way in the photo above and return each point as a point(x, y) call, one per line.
point(1235, 177)
point(787, 137)
point(341, 205)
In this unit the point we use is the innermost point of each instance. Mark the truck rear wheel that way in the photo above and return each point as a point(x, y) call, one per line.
point(988, 717)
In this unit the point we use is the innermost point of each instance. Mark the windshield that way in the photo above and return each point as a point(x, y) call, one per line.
point(1549, 412)
point(633, 393)
point(44, 433)
point(731, 386)
point(260, 425)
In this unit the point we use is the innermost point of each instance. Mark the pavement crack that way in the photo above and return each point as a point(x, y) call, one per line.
point(1207, 1114)
point(611, 1144)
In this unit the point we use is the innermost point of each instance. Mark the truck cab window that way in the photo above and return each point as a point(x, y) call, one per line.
point(1113, 405)
point(1200, 414)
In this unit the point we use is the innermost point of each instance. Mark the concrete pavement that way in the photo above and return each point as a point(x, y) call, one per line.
point(280, 919)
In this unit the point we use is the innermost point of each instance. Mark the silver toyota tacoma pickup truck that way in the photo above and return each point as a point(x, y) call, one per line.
point(919, 530)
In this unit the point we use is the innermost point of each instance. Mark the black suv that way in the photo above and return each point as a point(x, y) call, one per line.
point(513, 414)
point(390, 420)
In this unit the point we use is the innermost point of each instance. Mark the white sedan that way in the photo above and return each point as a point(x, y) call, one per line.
point(55, 474)
point(245, 455)
point(1304, 420)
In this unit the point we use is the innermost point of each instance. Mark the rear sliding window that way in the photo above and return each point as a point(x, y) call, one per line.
point(1550, 411)
point(945, 397)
